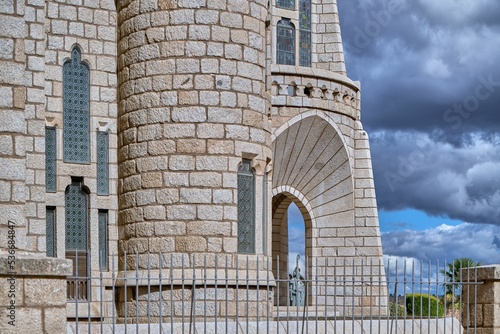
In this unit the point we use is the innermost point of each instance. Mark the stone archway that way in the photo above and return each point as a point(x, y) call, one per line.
point(312, 169)
point(280, 238)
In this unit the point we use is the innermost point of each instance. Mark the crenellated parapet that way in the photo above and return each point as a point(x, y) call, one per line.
point(314, 88)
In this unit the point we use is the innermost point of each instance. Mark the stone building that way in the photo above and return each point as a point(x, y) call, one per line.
point(180, 127)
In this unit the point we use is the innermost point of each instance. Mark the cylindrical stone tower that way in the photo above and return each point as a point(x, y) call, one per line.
point(193, 130)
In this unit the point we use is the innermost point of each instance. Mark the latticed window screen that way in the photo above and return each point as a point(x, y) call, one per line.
point(76, 217)
point(102, 164)
point(76, 93)
point(103, 239)
point(288, 4)
point(246, 208)
point(285, 50)
point(50, 160)
point(305, 33)
point(50, 227)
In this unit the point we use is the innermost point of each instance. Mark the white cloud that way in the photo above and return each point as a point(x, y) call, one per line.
point(444, 243)
point(437, 68)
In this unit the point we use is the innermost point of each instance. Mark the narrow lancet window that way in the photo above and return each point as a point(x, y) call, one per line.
point(246, 208)
point(285, 50)
point(76, 93)
point(103, 239)
point(50, 232)
point(50, 160)
point(305, 33)
point(102, 164)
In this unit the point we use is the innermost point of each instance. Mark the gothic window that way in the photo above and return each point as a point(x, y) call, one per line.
point(287, 4)
point(305, 33)
point(50, 234)
point(103, 239)
point(102, 164)
point(285, 51)
point(50, 159)
point(76, 217)
point(76, 93)
point(246, 208)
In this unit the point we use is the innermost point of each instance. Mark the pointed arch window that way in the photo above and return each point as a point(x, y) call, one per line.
point(246, 208)
point(76, 118)
point(305, 33)
point(285, 51)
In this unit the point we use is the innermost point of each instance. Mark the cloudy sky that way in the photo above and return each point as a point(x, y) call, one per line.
point(430, 78)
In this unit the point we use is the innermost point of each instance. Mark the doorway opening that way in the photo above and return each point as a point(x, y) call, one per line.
point(292, 249)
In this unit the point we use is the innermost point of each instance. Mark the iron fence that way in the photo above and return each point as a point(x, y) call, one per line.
point(159, 293)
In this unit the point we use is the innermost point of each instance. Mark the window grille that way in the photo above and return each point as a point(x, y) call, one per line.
point(287, 4)
point(246, 208)
point(103, 239)
point(50, 160)
point(76, 217)
point(285, 43)
point(50, 234)
point(102, 164)
point(305, 33)
point(76, 93)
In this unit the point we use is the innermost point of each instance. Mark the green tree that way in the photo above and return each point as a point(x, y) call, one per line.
point(453, 276)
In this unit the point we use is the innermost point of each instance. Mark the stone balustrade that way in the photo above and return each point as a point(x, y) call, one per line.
point(314, 89)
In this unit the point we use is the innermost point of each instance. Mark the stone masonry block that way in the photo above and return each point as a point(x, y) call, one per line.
point(211, 163)
point(189, 114)
point(194, 195)
point(181, 212)
point(190, 244)
point(209, 228)
point(32, 321)
point(44, 292)
point(210, 212)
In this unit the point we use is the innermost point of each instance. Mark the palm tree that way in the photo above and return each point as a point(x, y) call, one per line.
point(453, 274)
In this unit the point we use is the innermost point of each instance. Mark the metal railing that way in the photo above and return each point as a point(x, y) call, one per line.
point(166, 293)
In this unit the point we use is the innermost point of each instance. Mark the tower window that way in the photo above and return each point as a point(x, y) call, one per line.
point(305, 33)
point(246, 208)
point(76, 93)
point(285, 42)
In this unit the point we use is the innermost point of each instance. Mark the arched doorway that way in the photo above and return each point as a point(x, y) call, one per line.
point(283, 264)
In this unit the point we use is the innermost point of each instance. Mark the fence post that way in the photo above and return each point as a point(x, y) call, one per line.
point(481, 299)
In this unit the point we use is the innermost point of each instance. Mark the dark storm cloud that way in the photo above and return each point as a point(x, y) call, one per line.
point(419, 58)
point(413, 170)
point(430, 80)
